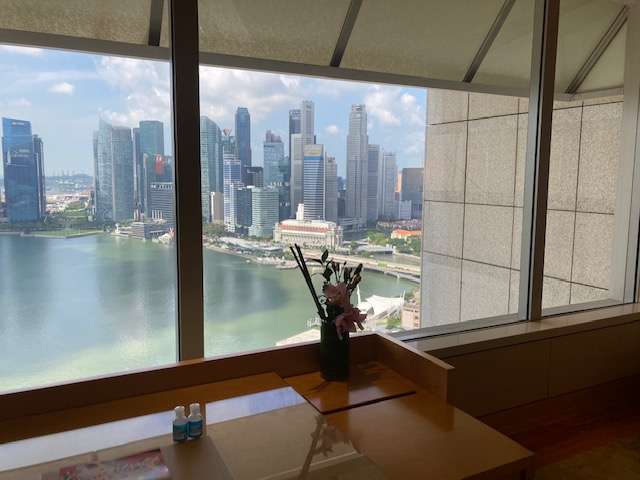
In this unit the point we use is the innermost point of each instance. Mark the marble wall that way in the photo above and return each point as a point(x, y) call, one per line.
point(474, 176)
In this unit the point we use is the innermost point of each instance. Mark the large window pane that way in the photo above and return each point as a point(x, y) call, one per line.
point(586, 162)
point(352, 155)
point(88, 280)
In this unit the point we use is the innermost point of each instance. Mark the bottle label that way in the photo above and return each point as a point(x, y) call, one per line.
point(180, 432)
point(195, 429)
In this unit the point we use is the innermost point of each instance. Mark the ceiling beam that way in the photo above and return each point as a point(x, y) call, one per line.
point(155, 22)
point(599, 49)
point(345, 33)
point(488, 40)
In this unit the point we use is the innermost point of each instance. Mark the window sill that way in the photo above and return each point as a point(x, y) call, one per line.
point(450, 345)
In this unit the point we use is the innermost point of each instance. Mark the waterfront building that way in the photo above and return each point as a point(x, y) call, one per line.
point(243, 140)
point(298, 142)
point(23, 163)
point(232, 179)
point(330, 189)
point(113, 165)
point(148, 230)
point(239, 216)
point(138, 172)
point(148, 144)
point(389, 180)
point(264, 211)
point(308, 233)
point(38, 152)
point(403, 234)
point(411, 189)
point(313, 187)
point(217, 206)
point(357, 170)
point(255, 177)
point(373, 180)
point(211, 163)
point(162, 202)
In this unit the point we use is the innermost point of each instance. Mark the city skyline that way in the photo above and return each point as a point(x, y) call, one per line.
point(125, 91)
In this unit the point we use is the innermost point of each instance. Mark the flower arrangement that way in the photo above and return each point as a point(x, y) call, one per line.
point(334, 304)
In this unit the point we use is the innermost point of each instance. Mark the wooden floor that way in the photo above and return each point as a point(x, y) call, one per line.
point(558, 428)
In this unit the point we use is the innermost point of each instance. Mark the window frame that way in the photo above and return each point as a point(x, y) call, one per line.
point(186, 59)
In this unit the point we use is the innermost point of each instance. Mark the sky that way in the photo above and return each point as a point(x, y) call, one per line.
point(64, 94)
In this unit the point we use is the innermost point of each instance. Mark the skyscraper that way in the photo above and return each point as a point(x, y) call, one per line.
point(138, 172)
point(211, 164)
point(313, 193)
point(357, 170)
point(113, 164)
point(38, 151)
point(264, 211)
point(390, 176)
point(232, 180)
point(294, 125)
point(162, 199)
point(273, 155)
point(23, 163)
point(150, 137)
point(330, 189)
point(243, 139)
point(412, 189)
point(373, 168)
point(277, 172)
point(298, 142)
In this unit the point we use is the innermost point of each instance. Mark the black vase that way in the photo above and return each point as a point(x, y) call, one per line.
point(334, 352)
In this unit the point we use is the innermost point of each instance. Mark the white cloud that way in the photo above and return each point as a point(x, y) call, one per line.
point(65, 88)
point(332, 129)
point(33, 52)
point(394, 107)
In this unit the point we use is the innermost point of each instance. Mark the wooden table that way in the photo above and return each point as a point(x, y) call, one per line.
point(381, 426)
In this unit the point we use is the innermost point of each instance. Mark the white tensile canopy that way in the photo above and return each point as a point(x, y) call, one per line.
point(482, 45)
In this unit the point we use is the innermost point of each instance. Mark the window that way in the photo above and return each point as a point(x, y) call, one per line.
point(323, 163)
point(88, 283)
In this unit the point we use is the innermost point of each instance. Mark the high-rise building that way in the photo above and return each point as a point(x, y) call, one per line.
point(357, 170)
point(148, 143)
point(138, 172)
point(298, 142)
point(217, 207)
point(113, 164)
point(294, 125)
point(162, 202)
point(243, 140)
point(373, 172)
point(38, 151)
point(313, 190)
point(388, 193)
point(277, 171)
point(255, 177)
point(273, 159)
point(264, 211)
point(330, 189)
point(412, 189)
point(211, 164)
point(239, 218)
point(23, 163)
point(232, 179)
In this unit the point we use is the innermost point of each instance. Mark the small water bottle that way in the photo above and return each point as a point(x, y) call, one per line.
point(180, 425)
point(195, 421)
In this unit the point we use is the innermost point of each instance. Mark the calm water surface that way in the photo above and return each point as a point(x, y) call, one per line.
point(72, 308)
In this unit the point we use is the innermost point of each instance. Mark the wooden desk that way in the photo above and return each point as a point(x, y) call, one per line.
point(418, 436)
point(369, 382)
point(409, 432)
